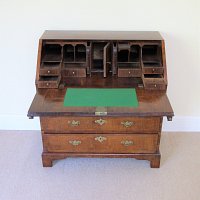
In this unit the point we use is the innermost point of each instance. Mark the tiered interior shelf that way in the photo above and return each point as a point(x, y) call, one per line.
point(128, 56)
point(151, 56)
point(74, 56)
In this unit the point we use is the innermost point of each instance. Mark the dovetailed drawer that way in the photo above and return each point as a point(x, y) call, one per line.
point(95, 143)
point(101, 124)
point(75, 73)
point(129, 72)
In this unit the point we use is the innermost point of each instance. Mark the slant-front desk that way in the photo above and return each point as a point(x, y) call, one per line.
point(101, 94)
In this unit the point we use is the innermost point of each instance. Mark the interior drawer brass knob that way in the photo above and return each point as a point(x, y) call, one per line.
point(100, 121)
point(127, 124)
point(100, 138)
point(127, 142)
point(75, 142)
point(74, 123)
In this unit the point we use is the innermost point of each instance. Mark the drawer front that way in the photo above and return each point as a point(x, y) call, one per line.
point(129, 72)
point(75, 73)
point(155, 86)
point(49, 83)
point(153, 70)
point(101, 124)
point(49, 72)
point(106, 143)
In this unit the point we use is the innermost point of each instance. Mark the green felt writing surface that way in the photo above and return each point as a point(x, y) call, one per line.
point(97, 97)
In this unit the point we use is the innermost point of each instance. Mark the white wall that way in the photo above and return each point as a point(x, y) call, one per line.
point(22, 22)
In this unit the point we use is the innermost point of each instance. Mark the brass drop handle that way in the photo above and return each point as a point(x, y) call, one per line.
point(75, 142)
point(100, 138)
point(100, 121)
point(127, 142)
point(74, 123)
point(127, 124)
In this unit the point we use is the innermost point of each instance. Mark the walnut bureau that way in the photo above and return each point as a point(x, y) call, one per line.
point(101, 59)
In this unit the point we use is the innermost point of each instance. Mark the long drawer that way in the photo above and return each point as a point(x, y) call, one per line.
point(95, 143)
point(101, 124)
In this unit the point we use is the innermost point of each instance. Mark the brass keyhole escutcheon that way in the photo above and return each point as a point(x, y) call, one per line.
point(127, 124)
point(74, 123)
point(75, 142)
point(100, 121)
point(127, 142)
point(100, 138)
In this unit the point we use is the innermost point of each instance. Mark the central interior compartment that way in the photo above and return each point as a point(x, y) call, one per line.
point(101, 57)
point(97, 56)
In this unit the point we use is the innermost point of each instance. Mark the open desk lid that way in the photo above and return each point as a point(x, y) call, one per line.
point(50, 102)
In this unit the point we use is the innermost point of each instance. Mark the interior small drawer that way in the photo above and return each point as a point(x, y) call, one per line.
point(154, 82)
point(129, 72)
point(96, 143)
point(75, 72)
point(49, 81)
point(101, 124)
point(155, 86)
point(49, 71)
point(153, 70)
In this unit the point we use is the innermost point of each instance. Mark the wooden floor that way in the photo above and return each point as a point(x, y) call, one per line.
point(22, 176)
